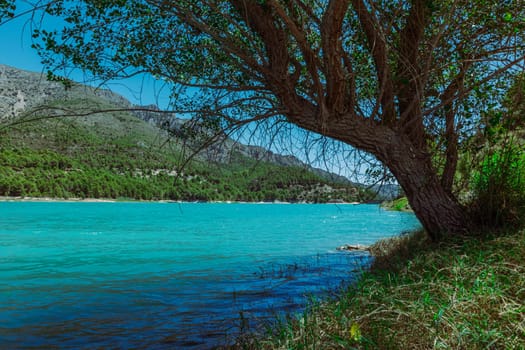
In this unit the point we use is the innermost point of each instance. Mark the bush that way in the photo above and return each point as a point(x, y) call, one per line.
point(499, 188)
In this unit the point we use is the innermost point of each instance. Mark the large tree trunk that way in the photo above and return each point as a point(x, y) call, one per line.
point(439, 213)
point(436, 208)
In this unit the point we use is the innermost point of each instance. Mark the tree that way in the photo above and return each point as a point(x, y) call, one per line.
point(402, 80)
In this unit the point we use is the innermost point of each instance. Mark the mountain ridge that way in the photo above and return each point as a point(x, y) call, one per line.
point(42, 90)
point(22, 91)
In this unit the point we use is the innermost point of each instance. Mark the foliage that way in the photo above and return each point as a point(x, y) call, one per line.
point(465, 294)
point(496, 169)
point(7, 10)
point(499, 187)
point(68, 158)
point(400, 204)
point(514, 103)
point(48, 174)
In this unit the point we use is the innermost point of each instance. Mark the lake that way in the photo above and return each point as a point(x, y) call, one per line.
point(171, 275)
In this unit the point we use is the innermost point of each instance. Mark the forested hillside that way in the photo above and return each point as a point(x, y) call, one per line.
point(116, 154)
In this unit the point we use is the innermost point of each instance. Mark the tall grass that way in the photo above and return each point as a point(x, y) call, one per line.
point(499, 187)
point(467, 294)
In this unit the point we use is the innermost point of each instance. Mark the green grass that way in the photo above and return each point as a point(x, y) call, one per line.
point(466, 294)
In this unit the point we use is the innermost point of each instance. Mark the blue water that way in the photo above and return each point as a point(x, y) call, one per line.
point(169, 275)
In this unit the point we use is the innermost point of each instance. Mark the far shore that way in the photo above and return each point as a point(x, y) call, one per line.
point(51, 199)
point(131, 200)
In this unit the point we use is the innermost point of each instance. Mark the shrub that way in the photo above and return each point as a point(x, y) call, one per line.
point(499, 187)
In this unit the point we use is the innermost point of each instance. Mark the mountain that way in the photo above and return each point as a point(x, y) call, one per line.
point(63, 139)
point(21, 91)
point(222, 149)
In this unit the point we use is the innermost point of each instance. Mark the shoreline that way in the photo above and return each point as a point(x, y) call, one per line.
point(56, 200)
point(131, 200)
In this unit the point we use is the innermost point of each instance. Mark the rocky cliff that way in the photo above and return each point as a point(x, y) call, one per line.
point(21, 91)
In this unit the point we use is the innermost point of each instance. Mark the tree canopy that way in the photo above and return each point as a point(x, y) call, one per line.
point(406, 81)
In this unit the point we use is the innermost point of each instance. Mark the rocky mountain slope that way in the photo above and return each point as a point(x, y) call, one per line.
point(20, 91)
point(137, 144)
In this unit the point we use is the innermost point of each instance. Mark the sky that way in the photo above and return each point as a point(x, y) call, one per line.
point(16, 46)
point(16, 51)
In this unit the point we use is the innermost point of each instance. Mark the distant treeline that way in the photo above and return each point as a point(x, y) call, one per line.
point(45, 173)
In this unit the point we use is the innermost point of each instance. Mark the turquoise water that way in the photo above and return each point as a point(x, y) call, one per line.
point(170, 275)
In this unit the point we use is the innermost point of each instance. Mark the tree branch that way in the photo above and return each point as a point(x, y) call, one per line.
point(331, 32)
point(311, 59)
point(408, 74)
point(379, 50)
point(480, 82)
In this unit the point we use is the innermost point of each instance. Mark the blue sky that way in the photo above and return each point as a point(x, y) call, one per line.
point(16, 51)
point(16, 46)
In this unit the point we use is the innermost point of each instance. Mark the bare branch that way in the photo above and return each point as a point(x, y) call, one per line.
point(466, 91)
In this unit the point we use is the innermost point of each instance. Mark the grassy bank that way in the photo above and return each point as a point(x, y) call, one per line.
point(466, 294)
